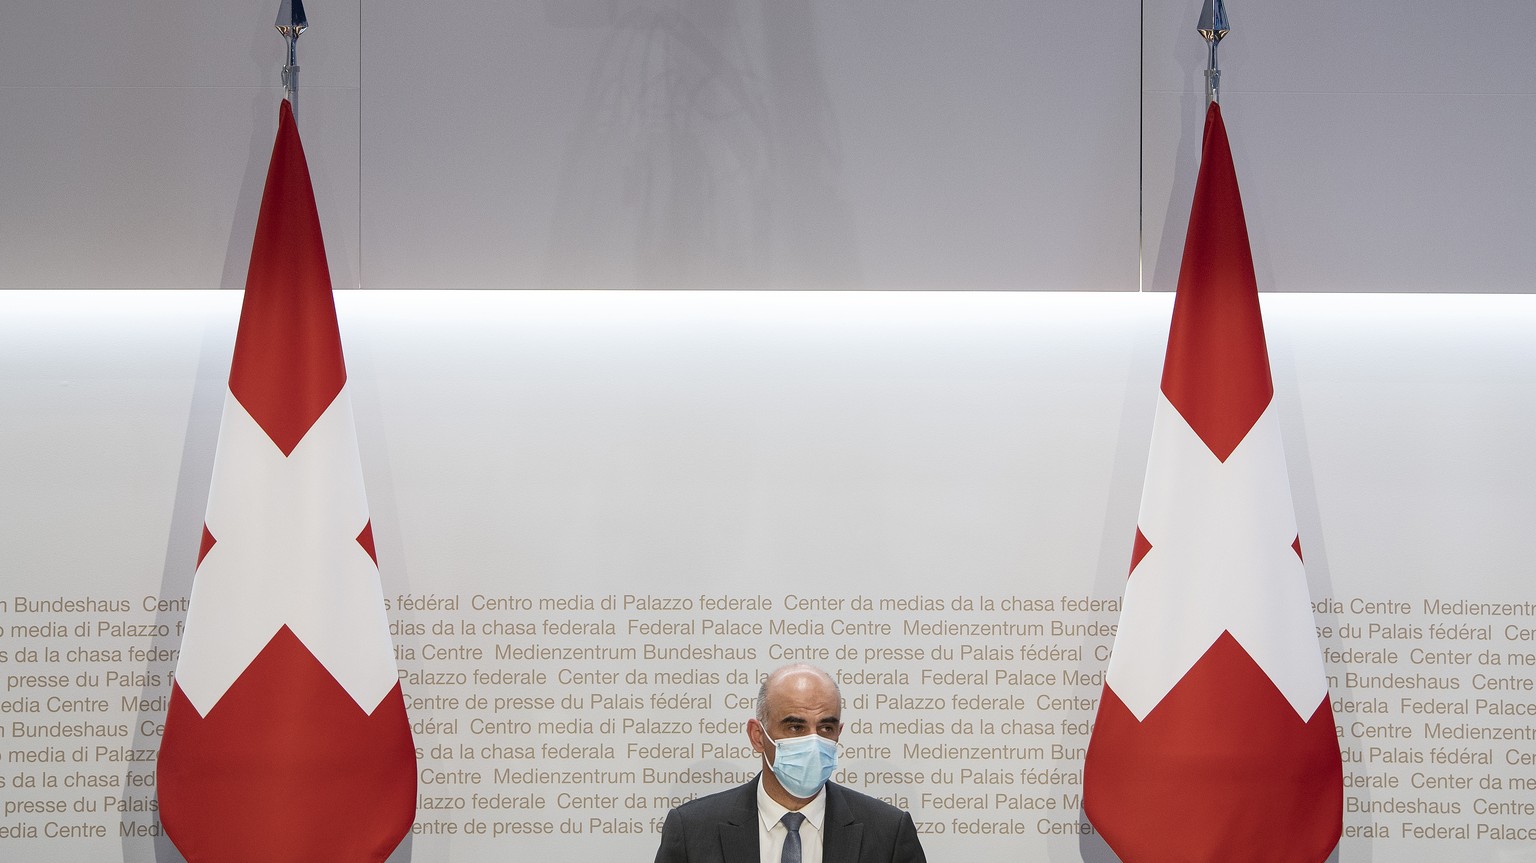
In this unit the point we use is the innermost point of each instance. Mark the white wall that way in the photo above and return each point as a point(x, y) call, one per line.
point(548, 445)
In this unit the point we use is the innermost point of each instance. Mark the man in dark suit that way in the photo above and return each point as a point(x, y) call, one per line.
point(791, 813)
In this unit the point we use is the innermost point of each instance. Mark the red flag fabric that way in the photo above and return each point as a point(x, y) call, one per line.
point(286, 737)
point(1214, 739)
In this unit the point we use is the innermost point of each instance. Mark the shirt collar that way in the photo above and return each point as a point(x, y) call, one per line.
point(769, 810)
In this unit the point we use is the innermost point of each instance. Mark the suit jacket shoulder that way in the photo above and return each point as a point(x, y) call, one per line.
point(722, 828)
point(716, 828)
point(843, 797)
point(867, 830)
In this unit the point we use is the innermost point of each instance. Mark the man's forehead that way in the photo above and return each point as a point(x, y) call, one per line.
point(804, 718)
point(817, 711)
point(808, 697)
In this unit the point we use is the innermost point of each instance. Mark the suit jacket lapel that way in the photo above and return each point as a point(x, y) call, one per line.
point(738, 834)
point(844, 835)
point(738, 842)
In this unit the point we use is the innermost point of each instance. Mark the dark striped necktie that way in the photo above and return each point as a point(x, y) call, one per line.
point(791, 821)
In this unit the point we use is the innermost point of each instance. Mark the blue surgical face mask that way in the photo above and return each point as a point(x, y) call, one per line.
point(803, 764)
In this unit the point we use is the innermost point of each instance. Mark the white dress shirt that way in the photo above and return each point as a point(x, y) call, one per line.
point(771, 833)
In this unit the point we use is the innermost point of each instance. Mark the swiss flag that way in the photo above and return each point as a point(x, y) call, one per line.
point(1214, 740)
point(286, 737)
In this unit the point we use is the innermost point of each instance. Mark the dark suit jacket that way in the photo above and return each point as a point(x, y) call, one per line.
point(722, 828)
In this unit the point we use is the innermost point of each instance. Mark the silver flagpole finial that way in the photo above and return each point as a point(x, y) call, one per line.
point(291, 22)
point(1213, 26)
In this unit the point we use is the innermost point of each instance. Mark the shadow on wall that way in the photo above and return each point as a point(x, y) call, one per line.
point(1091, 845)
point(705, 154)
point(181, 548)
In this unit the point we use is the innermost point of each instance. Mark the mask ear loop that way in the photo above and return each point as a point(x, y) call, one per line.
point(757, 749)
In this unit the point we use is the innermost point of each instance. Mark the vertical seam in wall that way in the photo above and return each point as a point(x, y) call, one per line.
point(1141, 149)
point(360, 280)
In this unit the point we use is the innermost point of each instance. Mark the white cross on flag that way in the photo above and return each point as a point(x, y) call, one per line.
point(286, 737)
point(1214, 739)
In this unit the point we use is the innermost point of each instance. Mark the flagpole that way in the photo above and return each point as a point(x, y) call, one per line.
point(1212, 27)
point(290, 23)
